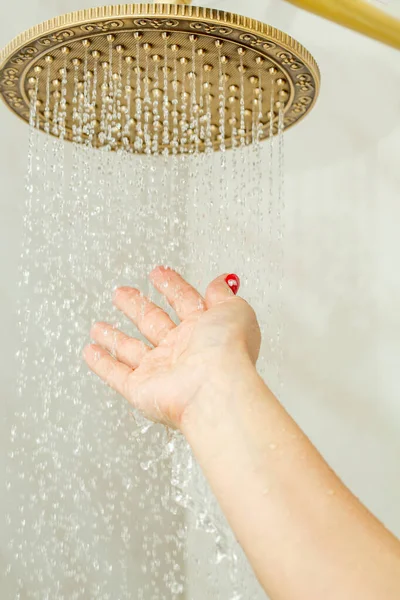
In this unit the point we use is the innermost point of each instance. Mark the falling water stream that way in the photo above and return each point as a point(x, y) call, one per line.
point(102, 503)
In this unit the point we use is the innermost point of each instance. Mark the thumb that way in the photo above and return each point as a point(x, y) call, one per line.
point(222, 288)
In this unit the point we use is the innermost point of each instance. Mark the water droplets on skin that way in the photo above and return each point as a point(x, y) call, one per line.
point(118, 488)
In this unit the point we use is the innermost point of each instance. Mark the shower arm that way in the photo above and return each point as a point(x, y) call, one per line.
point(356, 15)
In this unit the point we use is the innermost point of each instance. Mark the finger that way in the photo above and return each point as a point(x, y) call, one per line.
point(221, 289)
point(110, 370)
point(126, 349)
point(183, 298)
point(149, 318)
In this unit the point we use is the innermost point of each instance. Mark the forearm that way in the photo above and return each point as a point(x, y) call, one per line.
point(304, 533)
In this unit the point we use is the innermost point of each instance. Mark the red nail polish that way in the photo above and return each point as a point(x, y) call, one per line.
point(234, 282)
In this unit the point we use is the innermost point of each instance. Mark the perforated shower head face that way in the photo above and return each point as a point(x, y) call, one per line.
point(192, 76)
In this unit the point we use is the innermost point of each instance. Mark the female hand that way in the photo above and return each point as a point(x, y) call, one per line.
point(304, 533)
point(216, 333)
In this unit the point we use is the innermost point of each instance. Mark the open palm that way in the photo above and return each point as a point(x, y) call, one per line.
point(161, 380)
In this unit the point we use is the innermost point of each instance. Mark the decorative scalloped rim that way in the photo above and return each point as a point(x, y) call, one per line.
point(157, 10)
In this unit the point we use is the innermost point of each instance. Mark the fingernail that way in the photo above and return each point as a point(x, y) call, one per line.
point(234, 282)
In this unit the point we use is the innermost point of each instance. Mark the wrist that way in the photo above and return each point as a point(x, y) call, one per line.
point(229, 380)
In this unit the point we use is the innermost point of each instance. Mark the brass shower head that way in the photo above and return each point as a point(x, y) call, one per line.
point(204, 77)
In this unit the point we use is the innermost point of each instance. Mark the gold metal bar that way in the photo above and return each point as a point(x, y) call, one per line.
point(357, 15)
